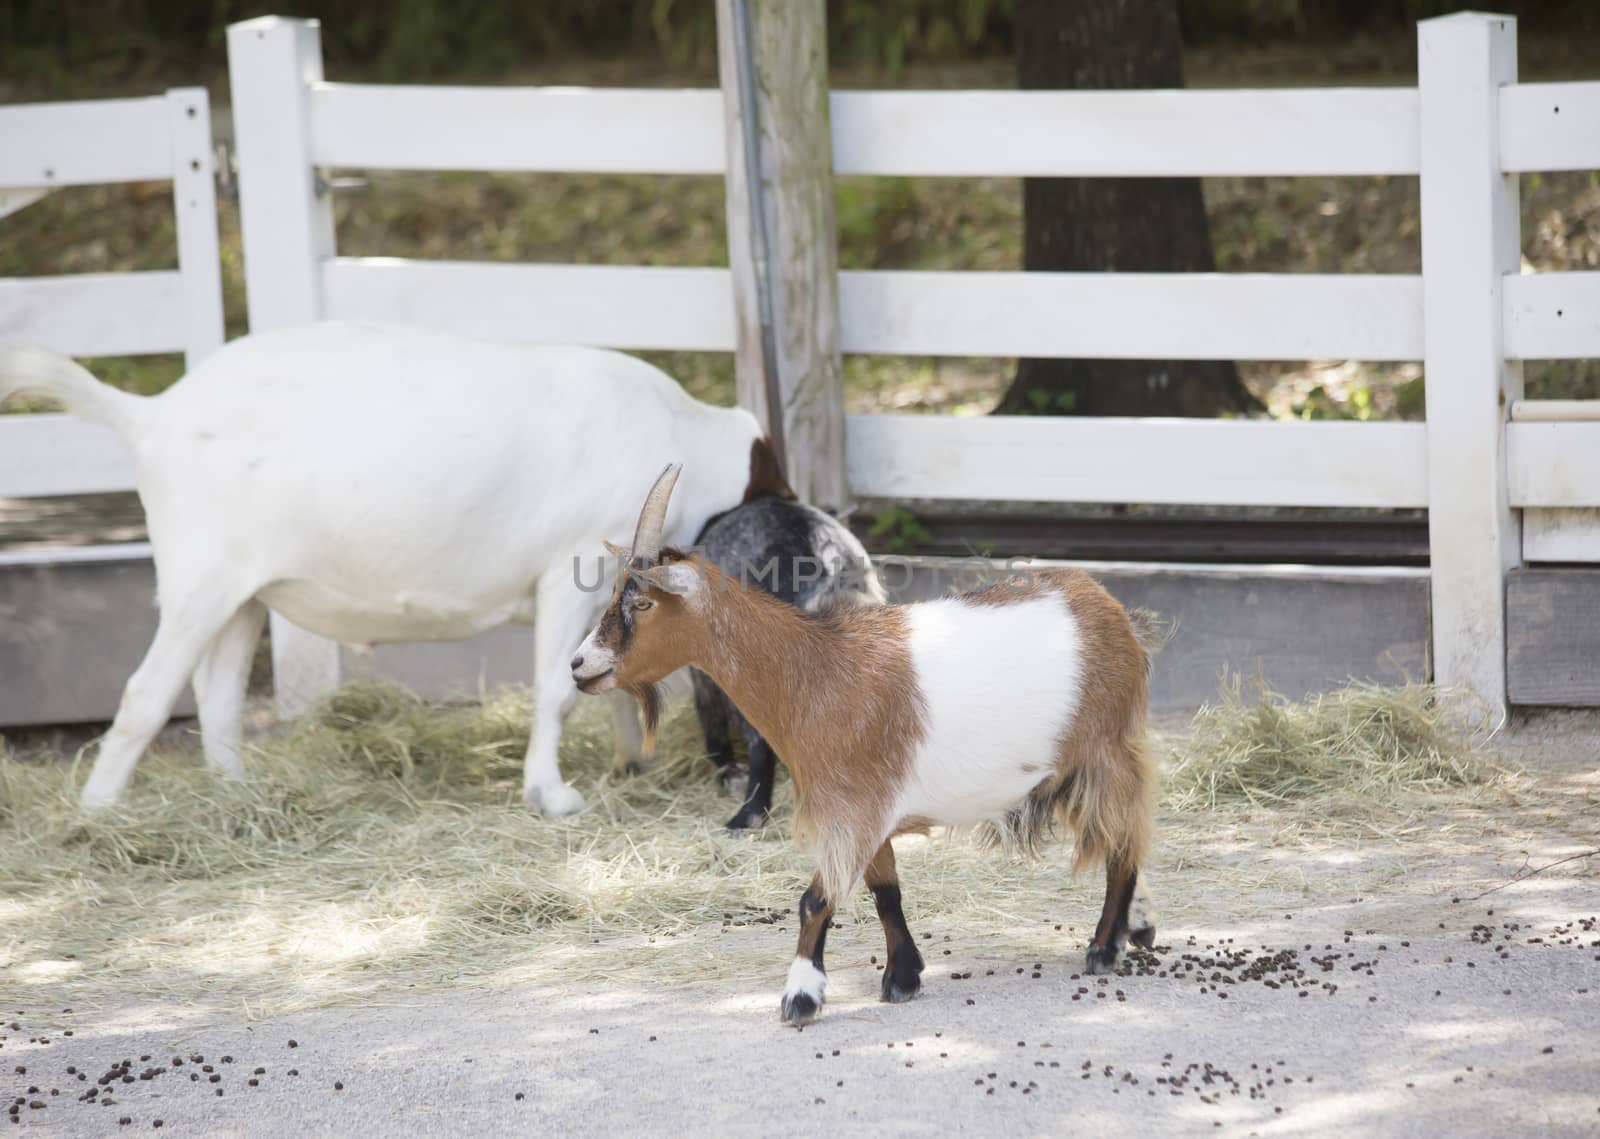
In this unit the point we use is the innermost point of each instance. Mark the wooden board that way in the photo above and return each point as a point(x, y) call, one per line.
point(1552, 316)
point(1550, 126)
point(1158, 316)
point(611, 306)
point(1237, 462)
point(1020, 134)
point(1561, 534)
point(1553, 464)
point(43, 455)
point(77, 144)
point(592, 130)
point(1553, 636)
point(96, 314)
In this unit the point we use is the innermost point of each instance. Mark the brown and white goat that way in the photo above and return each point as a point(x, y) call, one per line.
point(1020, 705)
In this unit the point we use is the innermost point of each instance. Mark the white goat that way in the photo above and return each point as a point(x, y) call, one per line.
point(378, 484)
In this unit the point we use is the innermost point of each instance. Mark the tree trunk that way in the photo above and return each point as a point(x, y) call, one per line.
point(1122, 224)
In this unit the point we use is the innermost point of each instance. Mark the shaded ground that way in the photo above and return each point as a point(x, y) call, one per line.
point(1309, 980)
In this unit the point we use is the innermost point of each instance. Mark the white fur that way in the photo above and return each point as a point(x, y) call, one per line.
point(1000, 685)
point(1141, 911)
point(804, 977)
point(382, 483)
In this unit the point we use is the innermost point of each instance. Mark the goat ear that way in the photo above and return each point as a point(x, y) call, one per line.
point(617, 551)
point(681, 578)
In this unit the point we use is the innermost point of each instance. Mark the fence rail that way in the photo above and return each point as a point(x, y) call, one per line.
point(52, 145)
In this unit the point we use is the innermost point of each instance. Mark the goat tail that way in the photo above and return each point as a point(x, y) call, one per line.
point(1152, 631)
point(1108, 802)
point(38, 372)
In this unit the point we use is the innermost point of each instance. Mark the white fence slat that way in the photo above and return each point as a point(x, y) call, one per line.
point(95, 314)
point(20, 198)
point(1126, 133)
point(61, 454)
point(592, 130)
point(613, 306)
point(1552, 316)
point(78, 144)
point(288, 232)
point(1195, 316)
point(194, 204)
point(1560, 534)
point(1553, 464)
point(1470, 243)
point(1234, 462)
point(1549, 126)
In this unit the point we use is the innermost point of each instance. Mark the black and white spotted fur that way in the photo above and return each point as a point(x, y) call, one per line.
point(798, 540)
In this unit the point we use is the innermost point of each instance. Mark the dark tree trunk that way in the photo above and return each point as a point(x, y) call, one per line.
point(1124, 224)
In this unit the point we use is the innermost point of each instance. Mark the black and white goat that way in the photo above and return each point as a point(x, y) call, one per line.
point(379, 483)
point(800, 555)
point(1021, 705)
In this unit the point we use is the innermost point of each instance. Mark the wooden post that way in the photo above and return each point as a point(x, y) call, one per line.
point(194, 204)
point(782, 245)
point(1470, 240)
point(287, 227)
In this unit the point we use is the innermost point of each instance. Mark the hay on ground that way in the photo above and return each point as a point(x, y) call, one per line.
point(382, 844)
point(1362, 744)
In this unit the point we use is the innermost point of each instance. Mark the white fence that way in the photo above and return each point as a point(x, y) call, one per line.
point(44, 147)
point(1468, 130)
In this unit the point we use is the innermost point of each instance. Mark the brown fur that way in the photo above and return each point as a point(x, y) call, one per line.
point(767, 479)
point(1104, 784)
point(847, 667)
point(835, 694)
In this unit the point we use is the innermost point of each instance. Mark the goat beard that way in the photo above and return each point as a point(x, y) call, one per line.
point(649, 698)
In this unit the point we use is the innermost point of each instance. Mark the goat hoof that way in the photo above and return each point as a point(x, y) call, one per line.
point(748, 818)
point(802, 994)
point(1144, 938)
point(636, 765)
point(562, 799)
point(1102, 959)
point(898, 989)
point(800, 1009)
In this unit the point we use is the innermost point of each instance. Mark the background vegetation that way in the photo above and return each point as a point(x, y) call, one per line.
point(52, 49)
point(419, 39)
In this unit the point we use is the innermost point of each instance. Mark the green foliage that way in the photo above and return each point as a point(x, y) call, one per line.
point(1043, 401)
point(900, 529)
point(59, 42)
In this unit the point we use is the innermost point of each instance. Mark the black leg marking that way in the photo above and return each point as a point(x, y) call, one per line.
point(902, 971)
point(1112, 932)
point(757, 806)
point(711, 708)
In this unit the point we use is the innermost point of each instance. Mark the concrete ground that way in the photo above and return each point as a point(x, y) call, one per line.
point(1366, 1002)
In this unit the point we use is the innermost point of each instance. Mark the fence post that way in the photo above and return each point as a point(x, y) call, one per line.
point(782, 245)
point(287, 229)
point(194, 204)
point(1471, 238)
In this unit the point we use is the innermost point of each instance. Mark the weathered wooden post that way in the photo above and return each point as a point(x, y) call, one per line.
point(1471, 238)
point(782, 245)
point(287, 228)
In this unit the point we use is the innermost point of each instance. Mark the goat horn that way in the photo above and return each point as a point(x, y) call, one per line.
point(653, 518)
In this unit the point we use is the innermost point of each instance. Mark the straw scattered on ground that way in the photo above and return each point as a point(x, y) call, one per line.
point(382, 845)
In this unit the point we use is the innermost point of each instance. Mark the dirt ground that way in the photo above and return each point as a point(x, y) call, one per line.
point(1443, 979)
